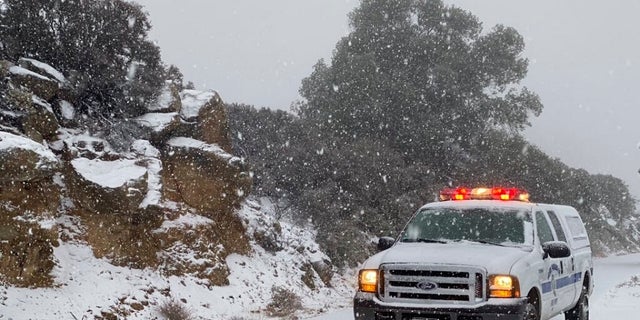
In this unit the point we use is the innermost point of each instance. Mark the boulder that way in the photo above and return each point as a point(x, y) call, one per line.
point(203, 176)
point(200, 249)
point(22, 159)
point(107, 187)
point(26, 252)
point(28, 195)
point(43, 69)
point(161, 125)
point(126, 239)
point(40, 123)
point(206, 118)
point(40, 197)
point(37, 84)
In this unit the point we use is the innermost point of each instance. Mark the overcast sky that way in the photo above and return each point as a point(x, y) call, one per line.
point(584, 62)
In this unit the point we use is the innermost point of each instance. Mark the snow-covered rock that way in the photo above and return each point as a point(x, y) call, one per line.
point(36, 83)
point(43, 69)
point(22, 159)
point(205, 118)
point(203, 175)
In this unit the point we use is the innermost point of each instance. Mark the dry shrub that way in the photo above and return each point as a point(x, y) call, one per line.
point(175, 310)
point(283, 302)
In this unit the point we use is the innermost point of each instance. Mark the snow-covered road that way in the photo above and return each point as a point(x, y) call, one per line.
point(616, 295)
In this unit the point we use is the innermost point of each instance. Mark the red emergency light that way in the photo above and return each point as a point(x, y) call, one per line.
point(481, 193)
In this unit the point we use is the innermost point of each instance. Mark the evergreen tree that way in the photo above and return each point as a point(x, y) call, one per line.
point(420, 75)
point(100, 45)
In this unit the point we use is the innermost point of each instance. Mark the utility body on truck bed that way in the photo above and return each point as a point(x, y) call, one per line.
point(480, 254)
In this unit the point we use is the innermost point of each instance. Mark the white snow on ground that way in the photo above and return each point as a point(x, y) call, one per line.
point(616, 294)
point(86, 286)
point(193, 101)
point(110, 174)
point(10, 141)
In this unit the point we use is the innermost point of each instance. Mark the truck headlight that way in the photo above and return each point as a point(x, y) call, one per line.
point(368, 280)
point(503, 286)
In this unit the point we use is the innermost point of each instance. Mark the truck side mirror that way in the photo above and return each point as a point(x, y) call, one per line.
point(556, 249)
point(385, 243)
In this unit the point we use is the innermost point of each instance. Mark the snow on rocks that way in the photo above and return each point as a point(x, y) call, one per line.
point(44, 69)
point(36, 83)
point(189, 143)
point(143, 148)
point(204, 176)
point(158, 121)
point(20, 71)
point(193, 101)
point(23, 159)
point(109, 174)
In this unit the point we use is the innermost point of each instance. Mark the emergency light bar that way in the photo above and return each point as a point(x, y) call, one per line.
point(495, 193)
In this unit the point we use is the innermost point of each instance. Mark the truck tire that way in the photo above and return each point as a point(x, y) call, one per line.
point(581, 310)
point(531, 309)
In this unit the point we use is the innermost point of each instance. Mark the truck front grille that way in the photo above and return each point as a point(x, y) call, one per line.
point(434, 284)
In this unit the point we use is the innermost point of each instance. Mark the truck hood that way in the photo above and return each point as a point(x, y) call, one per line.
point(495, 259)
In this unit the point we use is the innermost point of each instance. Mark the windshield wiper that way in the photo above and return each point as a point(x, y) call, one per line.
point(490, 243)
point(424, 240)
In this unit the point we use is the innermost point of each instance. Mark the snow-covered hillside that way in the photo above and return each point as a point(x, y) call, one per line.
point(86, 286)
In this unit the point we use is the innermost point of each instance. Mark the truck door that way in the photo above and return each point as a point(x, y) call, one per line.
point(550, 271)
point(569, 276)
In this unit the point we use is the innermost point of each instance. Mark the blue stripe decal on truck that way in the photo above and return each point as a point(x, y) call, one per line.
point(562, 282)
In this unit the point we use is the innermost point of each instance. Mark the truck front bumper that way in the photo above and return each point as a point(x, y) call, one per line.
point(366, 307)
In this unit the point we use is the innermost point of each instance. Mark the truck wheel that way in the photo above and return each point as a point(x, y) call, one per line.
point(531, 309)
point(581, 309)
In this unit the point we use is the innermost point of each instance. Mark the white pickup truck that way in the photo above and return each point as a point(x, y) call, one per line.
point(480, 254)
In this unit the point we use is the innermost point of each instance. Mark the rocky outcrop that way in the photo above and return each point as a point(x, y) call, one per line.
point(161, 126)
point(23, 160)
point(201, 249)
point(205, 118)
point(29, 198)
point(107, 187)
point(175, 161)
point(45, 70)
point(26, 252)
point(203, 176)
point(40, 123)
point(35, 83)
point(31, 95)
point(125, 239)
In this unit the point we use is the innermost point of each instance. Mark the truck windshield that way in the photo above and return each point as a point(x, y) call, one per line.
point(509, 227)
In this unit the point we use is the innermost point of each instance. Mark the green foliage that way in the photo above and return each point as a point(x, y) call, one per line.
point(100, 45)
point(420, 75)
